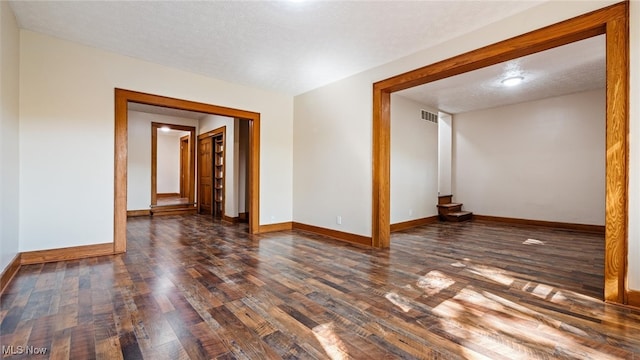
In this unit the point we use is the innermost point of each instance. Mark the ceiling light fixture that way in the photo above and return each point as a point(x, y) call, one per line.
point(512, 81)
point(165, 128)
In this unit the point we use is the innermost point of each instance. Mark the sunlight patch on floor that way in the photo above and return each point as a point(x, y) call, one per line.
point(434, 282)
point(559, 298)
point(398, 301)
point(547, 320)
point(330, 341)
point(448, 309)
point(506, 327)
point(533, 242)
point(491, 273)
point(540, 290)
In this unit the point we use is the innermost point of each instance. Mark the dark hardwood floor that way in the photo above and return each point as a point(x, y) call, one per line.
point(191, 287)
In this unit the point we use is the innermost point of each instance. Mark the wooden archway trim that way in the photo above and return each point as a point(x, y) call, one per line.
point(612, 21)
point(122, 97)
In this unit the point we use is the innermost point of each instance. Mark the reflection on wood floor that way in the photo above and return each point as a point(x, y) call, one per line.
point(192, 287)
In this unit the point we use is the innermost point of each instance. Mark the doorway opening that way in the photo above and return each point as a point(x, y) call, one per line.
point(172, 168)
point(123, 98)
point(612, 21)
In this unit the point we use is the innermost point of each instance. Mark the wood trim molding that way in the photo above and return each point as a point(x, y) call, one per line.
point(230, 219)
point(163, 211)
point(214, 132)
point(135, 213)
point(276, 227)
point(122, 98)
point(612, 21)
point(9, 272)
point(167, 195)
point(633, 297)
point(617, 157)
point(335, 234)
point(154, 164)
point(63, 254)
point(413, 223)
point(598, 229)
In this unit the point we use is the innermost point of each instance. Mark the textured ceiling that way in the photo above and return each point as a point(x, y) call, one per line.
point(571, 68)
point(285, 46)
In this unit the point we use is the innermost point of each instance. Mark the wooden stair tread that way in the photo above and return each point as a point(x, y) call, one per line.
point(449, 205)
point(458, 216)
point(174, 211)
point(460, 213)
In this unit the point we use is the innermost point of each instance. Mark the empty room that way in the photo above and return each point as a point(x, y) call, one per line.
point(315, 179)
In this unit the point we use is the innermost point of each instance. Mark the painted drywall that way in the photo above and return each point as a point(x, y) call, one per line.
point(139, 156)
point(333, 128)
point(414, 161)
point(444, 153)
point(67, 136)
point(539, 160)
point(168, 171)
point(634, 150)
point(332, 156)
point(9, 127)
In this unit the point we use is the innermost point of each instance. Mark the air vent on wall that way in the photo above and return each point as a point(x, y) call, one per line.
point(429, 116)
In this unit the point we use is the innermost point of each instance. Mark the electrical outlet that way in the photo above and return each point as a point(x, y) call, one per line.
point(410, 212)
point(339, 220)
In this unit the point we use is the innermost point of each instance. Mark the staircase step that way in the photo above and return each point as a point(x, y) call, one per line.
point(174, 211)
point(444, 199)
point(450, 205)
point(443, 210)
point(459, 216)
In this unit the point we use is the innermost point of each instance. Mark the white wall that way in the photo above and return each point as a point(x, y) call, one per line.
point(414, 161)
point(168, 170)
point(444, 153)
point(9, 148)
point(539, 160)
point(139, 156)
point(332, 129)
point(67, 136)
point(332, 156)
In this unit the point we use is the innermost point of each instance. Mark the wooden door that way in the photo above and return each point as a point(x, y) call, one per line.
point(185, 188)
point(205, 195)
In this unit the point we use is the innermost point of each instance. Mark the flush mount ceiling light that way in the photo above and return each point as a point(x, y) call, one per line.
point(165, 129)
point(512, 81)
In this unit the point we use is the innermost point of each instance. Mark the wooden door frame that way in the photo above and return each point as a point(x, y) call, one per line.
point(154, 158)
point(122, 98)
point(612, 21)
point(210, 134)
point(185, 185)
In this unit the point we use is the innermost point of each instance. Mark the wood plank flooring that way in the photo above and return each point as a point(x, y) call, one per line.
point(190, 287)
